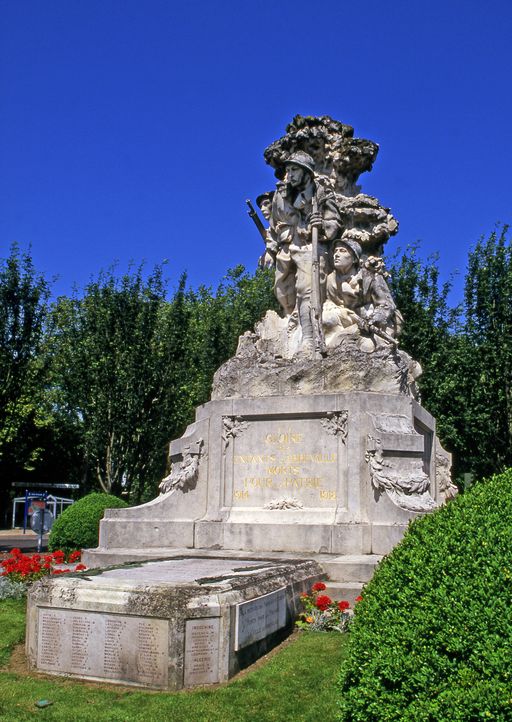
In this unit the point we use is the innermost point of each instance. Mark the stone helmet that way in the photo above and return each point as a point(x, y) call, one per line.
point(267, 196)
point(353, 246)
point(303, 159)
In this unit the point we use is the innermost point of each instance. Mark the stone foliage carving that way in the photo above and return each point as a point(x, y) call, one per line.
point(232, 427)
point(288, 502)
point(184, 473)
point(407, 488)
point(316, 208)
point(337, 154)
point(336, 423)
point(446, 488)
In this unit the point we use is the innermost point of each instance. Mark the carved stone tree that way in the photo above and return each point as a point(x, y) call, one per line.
point(325, 239)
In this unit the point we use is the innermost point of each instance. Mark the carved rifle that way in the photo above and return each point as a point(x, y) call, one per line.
point(257, 222)
point(316, 308)
point(372, 328)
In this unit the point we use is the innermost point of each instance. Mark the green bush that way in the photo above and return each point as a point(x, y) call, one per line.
point(432, 638)
point(77, 527)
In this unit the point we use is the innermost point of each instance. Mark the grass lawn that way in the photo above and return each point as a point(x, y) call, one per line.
point(297, 683)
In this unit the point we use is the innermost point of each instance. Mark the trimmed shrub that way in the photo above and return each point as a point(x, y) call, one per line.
point(78, 526)
point(432, 638)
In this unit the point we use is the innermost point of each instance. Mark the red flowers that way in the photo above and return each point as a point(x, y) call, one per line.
point(359, 599)
point(321, 613)
point(318, 587)
point(29, 568)
point(323, 602)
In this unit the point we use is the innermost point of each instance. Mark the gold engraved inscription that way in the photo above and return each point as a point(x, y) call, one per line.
point(284, 438)
point(329, 495)
point(241, 494)
point(286, 465)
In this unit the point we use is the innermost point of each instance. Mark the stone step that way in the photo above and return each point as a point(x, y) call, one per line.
point(350, 567)
point(344, 590)
point(104, 557)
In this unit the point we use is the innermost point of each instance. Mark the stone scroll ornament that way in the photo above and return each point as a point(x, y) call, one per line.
point(336, 423)
point(408, 489)
point(184, 473)
point(232, 426)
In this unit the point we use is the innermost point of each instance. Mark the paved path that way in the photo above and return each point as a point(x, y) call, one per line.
point(11, 538)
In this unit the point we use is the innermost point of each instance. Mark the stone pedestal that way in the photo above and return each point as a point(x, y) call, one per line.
point(288, 474)
point(165, 625)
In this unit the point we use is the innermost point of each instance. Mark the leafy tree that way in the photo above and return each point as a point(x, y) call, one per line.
point(131, 367)
point(488, 363)
point(24, 297)
point(217, 320)
point(111, 372)
point(432, 336)
point(465, 352)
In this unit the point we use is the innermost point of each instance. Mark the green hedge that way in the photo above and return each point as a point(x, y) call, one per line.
point(77, 527)
point(432, 638)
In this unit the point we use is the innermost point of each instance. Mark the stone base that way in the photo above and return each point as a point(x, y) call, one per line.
point(165, 625)
point(293, 474)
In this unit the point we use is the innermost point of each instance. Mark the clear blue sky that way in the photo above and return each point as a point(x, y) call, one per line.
point(134, 129)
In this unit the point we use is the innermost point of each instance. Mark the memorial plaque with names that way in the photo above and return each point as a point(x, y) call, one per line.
point(259, 617)
point(113, 647)
point(201, 651)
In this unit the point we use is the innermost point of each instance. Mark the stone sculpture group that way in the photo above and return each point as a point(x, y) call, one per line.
point(325, 240)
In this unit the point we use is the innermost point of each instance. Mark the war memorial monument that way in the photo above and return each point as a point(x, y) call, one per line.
point(308, 462)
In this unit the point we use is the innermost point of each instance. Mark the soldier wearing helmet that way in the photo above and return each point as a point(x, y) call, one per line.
point(292, 221)
point(358, 298)
point(264, 203)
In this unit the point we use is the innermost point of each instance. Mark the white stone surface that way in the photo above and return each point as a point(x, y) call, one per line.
point(201, 651)
point(179, 571)
point(163, 624)
point(261, 452)
point(273, 458)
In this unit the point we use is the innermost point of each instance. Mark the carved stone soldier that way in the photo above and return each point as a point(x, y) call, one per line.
point(292, 221)
point(264, 203)
point(358, 299)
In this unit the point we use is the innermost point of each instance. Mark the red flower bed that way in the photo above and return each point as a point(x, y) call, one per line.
point(29, 568)
point(321, 613)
